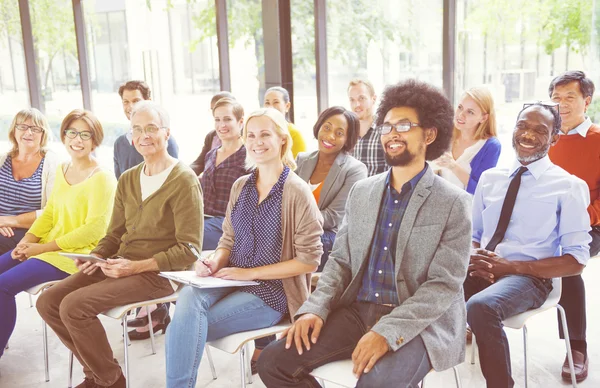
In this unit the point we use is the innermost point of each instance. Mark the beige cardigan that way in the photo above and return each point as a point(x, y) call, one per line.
point(48, 174)
point(302, 227)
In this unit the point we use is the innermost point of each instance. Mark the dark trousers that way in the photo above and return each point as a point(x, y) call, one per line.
point(487, 306)
point(327, 238)
point(9, 243)
point(71, 309)
point(284, 368)
point(572, 298)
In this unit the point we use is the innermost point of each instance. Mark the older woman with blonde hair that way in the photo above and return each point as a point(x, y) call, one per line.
point(26, 176)
point(74, 219)
point(271, 234)
point(475, 147)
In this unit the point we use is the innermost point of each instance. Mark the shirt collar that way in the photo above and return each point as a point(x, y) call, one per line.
point(411, 184)
point(581, 129)
point(536, 168)
point(129, 137)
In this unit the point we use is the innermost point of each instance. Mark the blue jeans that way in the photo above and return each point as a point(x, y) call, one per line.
point(10, 243)
point(404, 368)
point(17, 276)
point(205, 315)
point(327, 238)
point(487, 306)
point(213, 230)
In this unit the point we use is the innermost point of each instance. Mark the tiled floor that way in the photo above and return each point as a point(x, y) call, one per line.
point(22, 365)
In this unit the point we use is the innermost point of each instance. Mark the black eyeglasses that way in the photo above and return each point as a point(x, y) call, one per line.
point(72, 134)
point(400, 126)
point(25, 127)
point(548, 104)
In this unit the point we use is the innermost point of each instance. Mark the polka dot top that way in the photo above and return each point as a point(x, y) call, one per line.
point(258, 237)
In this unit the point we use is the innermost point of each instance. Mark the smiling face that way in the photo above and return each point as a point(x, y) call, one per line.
point(226, 124)
point(405, 148)
point(263, 143)
point(333, 134)
point(130, 98)
point(533, 136)
point(149, 144)
point(77, 147)
point(28, 141)
point(275, 100)
point(469, 115)
point(361, 101)
point(572, 104)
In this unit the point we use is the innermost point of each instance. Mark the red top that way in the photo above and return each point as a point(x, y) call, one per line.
point(580, 156)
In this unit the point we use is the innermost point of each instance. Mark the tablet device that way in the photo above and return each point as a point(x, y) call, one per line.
point(83, 257)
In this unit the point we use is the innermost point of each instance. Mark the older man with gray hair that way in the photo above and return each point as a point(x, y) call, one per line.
point(158, 213)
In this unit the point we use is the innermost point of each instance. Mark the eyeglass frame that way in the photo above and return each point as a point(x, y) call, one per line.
point(78, 133)
point(30, 127)
point(548, 104)
point(144, 130)
point(407, 123)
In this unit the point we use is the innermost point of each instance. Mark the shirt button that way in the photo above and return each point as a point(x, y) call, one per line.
point(380, 271)
point(377, 295)
point(390, 224)
point(396, 201)
point(385, 248)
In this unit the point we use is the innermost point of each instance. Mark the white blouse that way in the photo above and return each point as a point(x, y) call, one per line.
point(464, 161)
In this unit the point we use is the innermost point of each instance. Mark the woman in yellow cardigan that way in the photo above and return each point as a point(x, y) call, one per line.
point(278, 98)
point(74, 220)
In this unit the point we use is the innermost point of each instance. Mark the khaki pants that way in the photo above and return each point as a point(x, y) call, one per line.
point(71, 307)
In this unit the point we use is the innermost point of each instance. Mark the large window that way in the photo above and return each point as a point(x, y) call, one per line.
point(511, 48)
point(384, 41)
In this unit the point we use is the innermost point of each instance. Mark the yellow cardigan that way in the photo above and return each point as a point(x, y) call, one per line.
point(76, 217)
point(298, 144)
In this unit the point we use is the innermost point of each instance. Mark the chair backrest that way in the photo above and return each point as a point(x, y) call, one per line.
point(337, 372)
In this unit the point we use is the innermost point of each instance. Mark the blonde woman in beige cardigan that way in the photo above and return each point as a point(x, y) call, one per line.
point(271, 234)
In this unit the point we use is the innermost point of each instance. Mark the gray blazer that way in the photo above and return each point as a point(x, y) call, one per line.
point(344, 173)
point(433, 248)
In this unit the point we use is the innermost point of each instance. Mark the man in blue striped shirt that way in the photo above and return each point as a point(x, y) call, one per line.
point(539, 232)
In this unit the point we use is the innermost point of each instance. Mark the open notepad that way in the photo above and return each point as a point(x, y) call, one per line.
point(190, 278)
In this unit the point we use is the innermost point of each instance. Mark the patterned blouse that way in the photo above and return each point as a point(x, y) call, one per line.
point(258, 238)
point(19, 197)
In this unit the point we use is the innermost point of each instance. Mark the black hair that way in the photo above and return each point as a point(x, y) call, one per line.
point(353, 125)
point(432, 106)
point(586, 86)
point(555, 115)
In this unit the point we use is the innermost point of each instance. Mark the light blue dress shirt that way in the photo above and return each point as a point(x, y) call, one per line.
point(581, 129)
point(550, 213)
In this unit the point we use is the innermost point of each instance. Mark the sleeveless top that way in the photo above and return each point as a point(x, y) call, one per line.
point(23, 196)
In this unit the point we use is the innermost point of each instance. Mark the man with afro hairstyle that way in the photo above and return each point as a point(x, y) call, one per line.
point(390, 296)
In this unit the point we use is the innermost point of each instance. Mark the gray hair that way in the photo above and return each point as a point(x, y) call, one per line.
point(152, 107)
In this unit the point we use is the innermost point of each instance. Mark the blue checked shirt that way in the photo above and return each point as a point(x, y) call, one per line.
point(379, 280)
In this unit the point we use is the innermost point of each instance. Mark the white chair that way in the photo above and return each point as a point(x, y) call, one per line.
point(519, 321)
point(240, 342)
point(340, 373)
point(35, 290)
point(121, 313)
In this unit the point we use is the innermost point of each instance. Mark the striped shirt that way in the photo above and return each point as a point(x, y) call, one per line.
point(258, 238)
point(368, 149)
point(23, 196)
point(379, 279)
point(216, 180)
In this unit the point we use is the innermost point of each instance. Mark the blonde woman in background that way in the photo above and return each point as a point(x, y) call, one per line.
point(475, 147)
point(271, 234)
point(26, 176)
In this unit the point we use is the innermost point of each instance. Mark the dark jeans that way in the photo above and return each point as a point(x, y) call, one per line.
point(487, 306)
point(327, 238)
point(213, 230)
point(282, 368)
point(10, 243)
point(572, 298)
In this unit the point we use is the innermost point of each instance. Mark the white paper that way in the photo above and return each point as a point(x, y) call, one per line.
point(190, 278)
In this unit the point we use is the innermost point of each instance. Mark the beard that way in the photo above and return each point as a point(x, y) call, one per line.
point(403, 159)
point(531, 158)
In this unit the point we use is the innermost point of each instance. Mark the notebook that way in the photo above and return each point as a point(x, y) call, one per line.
point(190, 278)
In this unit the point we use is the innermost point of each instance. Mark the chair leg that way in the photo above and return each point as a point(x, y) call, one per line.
point(45, 343)
point(248, 363)
point(563, 319)
point(525, 354)
point(70, 385)
point(31, 302)
point(210, 361)
point(243, 365)
point(125, 349)
point(152, 343)
point(322, 382)
point(457, 377)
point(473, 349)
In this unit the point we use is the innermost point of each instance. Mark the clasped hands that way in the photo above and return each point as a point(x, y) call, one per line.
point(488, 265)
point(369, 349)
point(24, 251)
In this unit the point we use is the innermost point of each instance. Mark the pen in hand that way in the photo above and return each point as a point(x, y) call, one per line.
point(199, 258)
